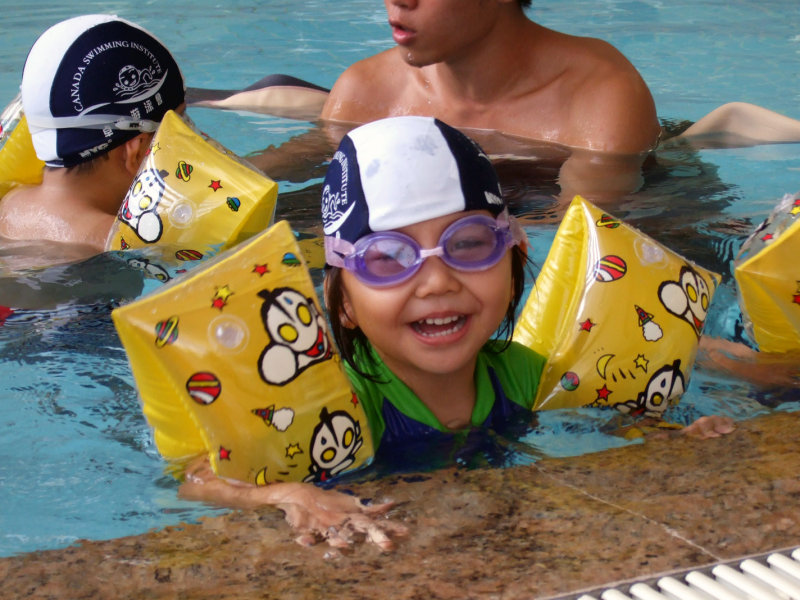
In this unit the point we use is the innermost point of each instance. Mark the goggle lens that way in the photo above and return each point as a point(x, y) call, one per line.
point(473, 244)
point(387, 257)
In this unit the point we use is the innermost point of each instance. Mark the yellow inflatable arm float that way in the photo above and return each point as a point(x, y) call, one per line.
point(18, 162)
point(234, 360)
point(192, 199)
point(192, 195)
point(618, 315)
point(768, 277)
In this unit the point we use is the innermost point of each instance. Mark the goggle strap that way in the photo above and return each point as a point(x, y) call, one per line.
point(40, 123)
point(518, 234)
point(335, 249)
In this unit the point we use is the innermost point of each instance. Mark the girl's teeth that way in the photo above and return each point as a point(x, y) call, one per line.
point(439, 321)
point(433, 327)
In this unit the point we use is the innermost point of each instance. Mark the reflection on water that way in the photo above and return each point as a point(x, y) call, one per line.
point(530, 186)
point(681, 202)
point(79, 460)
point(682, 195)
point(30, 280)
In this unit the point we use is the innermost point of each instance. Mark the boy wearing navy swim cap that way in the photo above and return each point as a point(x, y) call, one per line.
point(94, 89)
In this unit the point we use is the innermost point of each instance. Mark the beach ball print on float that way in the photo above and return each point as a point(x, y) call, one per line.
point(203, 388)
point(570, 381)
point(234, 360)
point(617, 315)
point(610, 268)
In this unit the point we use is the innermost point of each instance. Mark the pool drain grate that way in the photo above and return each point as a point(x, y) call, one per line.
point(770, 576)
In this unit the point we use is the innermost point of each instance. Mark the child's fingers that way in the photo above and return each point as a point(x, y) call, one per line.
point(306, 539)
point(377, 509)
point(340, 519)
point(378, 537)
point(710, 427)
point(345, 503)
point(376, 532)
point(337, 538)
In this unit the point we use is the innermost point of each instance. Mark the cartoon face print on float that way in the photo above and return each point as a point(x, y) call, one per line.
point(139, 209)
point(334, 443)
point(688, 298)
point(665, 385)
point(298, 335)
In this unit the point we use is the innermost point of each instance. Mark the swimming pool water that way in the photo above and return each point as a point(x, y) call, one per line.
point(76, 459)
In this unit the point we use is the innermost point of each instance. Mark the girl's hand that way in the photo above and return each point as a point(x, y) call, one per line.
point(338, 518)
point(709, 427)
point(315, 513)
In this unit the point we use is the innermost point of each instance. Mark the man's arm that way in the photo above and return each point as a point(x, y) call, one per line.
point(738, 124)
point(360, 94)
point(299, 159)
point(600, 177)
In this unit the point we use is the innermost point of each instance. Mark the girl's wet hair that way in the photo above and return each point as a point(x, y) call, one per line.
point(348, 338)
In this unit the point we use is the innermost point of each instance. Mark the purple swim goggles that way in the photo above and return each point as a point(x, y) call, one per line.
point(474, 243)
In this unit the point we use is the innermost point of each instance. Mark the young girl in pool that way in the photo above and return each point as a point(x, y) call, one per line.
point(425, 266)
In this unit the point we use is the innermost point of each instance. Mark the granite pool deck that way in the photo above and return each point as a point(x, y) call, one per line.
point(554, 528)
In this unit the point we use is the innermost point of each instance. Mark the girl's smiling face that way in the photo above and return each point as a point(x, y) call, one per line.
point(434, 323)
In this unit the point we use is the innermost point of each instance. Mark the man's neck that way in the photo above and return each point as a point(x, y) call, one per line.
point(491, 72)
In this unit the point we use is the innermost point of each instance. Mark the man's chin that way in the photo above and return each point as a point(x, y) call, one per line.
point(414, 59)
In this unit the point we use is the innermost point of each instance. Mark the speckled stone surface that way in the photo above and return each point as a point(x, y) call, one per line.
point(553, 528)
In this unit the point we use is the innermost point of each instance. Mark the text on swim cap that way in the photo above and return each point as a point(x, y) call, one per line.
point(151, 71)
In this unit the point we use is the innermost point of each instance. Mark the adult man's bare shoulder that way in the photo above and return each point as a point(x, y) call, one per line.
point(495, 69)
point(369, 89)
point(611, 108)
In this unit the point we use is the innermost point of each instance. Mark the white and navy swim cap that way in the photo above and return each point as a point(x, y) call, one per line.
point(94, 82)
point(399, 171)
